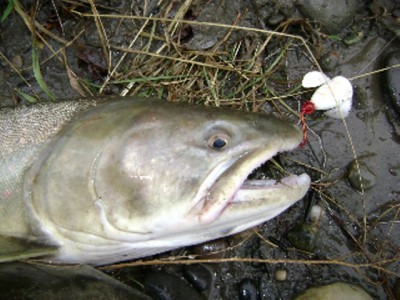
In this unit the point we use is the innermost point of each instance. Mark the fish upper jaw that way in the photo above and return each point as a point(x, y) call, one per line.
point(231, 186)
point(225, 187)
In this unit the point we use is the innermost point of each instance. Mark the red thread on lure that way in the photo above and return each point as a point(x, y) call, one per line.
point(306, 109)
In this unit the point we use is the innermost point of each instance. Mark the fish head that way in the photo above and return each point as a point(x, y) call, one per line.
point(157, 176)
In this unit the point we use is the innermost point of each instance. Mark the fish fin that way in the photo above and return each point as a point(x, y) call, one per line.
point(12, 248)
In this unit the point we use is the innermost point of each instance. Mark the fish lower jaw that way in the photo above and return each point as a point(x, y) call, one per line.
point(272, 193)
point(262, 193)
point(259, 201)
point(266, 184)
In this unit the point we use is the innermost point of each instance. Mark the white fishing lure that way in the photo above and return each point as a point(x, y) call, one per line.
point(335, 95)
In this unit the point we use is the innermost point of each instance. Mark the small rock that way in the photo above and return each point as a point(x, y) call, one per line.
point(353, 38)
point(17, 61)
point(333, 15)
point(316, 213)
point(200, 276)
point(212, 249)
point(397, 289)
point(329, 61)
point(276, 19)
point(392, 79)
point(333, 291)
point(164, 286)
point(303, 236)
point(366, 175)
point(280, 275)
point(248, 290)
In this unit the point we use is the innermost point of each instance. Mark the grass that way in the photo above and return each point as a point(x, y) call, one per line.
point(37, 72)
point(7, 11)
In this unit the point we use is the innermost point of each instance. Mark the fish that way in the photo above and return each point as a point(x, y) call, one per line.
point(100, 180)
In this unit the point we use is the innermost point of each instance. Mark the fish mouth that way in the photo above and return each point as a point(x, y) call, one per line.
point(231, 186)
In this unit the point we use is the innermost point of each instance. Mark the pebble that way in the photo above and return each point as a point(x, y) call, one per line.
point(248, 290)
point(366, 175)
point(165, 286)
point(280, 275)
point(200, 276)
point(333, 291)
point(276, 19)
point(316, 214)
point(392, 79)
point(397, 289)
point(329, 61)
point(17, 61)
point(333, 15)
point(212, 249)
point(353, 38)
point(303, 236)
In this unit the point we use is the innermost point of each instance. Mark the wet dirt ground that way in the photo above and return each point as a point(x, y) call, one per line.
point(357, 236)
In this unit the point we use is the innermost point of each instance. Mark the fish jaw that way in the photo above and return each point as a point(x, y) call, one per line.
point(232, 185)
point(234, 203)
point(258, 201)
point(253, 203)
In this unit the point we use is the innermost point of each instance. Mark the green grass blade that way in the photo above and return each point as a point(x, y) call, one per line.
point(27, 97)
point(7, 11)
point(38, 73)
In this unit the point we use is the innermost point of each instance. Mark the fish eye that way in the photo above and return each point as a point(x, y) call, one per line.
point(217, 142)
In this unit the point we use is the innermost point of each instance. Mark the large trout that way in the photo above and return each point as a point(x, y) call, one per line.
point(100, 181)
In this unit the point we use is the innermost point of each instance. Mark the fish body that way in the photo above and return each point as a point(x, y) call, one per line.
point(109, 180)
